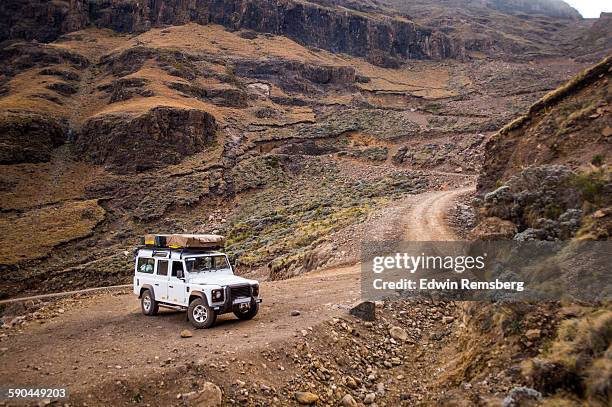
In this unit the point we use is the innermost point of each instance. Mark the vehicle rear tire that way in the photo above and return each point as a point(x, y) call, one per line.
point(249, 313)
point(200, 314)
point(148, 304)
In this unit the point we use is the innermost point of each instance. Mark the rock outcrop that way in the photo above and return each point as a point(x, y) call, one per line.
point(293, 76)
point(19, 56)
point(159, 137)
point(382, 40)
point(29, 137)
point(42, 20)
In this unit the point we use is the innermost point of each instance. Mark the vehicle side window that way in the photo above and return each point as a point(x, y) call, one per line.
point(145, 265)
point(162, 267)
point(177, 268)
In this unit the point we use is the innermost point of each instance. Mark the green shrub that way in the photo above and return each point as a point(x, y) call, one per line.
point(597, 160)
point(592, 187)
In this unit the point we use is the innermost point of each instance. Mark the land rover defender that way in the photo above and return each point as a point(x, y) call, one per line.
point(200, 280)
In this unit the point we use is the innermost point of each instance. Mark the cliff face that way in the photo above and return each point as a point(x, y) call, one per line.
point(41, 20)
point(380, 39)
point(29, 137)
point(155, 139)
point(323, 27)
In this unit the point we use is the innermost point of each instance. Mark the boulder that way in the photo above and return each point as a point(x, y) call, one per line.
point(306, 397)
point(398, 333)
point(348, 401)
point(533, 334)
point(210, 396)
point(522, 396)
point(365, 310)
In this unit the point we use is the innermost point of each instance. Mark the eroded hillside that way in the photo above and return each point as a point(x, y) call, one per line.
point(298, 129)
point(546, 175)
point(203, 127)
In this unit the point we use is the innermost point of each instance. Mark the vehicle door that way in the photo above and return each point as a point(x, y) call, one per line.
point(161, 279)
point(176, 284)
point(145, 268)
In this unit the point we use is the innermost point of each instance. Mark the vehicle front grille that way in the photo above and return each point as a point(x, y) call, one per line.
point(240, 292)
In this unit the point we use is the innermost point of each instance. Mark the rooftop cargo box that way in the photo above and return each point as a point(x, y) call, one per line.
point(180, 241)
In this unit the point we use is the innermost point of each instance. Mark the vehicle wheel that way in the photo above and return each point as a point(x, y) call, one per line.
point(200, 314)
point(148, 304)
point(248, 313)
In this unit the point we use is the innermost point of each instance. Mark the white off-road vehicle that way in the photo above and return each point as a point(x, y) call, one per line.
point(199, 280)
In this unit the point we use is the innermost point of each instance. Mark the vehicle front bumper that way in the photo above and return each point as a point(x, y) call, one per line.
point(228, 306)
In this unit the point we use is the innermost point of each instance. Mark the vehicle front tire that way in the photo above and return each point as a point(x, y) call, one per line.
point(200, 314)
point(248, 313)
point(148, 305)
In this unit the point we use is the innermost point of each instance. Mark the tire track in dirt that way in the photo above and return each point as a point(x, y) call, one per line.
point(426, 220)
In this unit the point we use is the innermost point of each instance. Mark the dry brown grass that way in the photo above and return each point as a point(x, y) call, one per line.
point(215, 39)
point(578, 362)
point(33, 234)
point(25, 88)
point(422, 79)
point(34, 185)
point(92, 42)
point(579, 81)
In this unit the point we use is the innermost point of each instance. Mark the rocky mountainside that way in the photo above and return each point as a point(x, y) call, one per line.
point(299, 129)
point(592, 41)
point(133, 117)
point(551, 8)
point(384, 32)
point(546, 175)
point(377, 37)
point(502, 28)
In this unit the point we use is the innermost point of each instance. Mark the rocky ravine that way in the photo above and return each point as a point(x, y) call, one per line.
point(197, 128)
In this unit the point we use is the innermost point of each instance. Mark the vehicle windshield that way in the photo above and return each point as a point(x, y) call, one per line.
point(206, 264)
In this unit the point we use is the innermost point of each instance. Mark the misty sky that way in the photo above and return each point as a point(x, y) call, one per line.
point(590, 8)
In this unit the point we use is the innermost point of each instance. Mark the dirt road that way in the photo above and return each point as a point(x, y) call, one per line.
point(105, 338)
point(425, 221)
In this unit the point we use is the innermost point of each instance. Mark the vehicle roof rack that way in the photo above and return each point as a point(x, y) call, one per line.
point(182, 251)
point(184, 241)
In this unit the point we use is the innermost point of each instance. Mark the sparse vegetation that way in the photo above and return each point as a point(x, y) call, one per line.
point(35, 233)
point(595, 187)
point(577, 360)
point(281, 221)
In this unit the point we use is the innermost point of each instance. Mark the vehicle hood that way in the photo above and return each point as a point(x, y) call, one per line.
point(221, 280)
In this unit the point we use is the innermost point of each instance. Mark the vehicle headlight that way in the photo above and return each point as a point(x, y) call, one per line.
point(217, 295)
point(255, 290)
